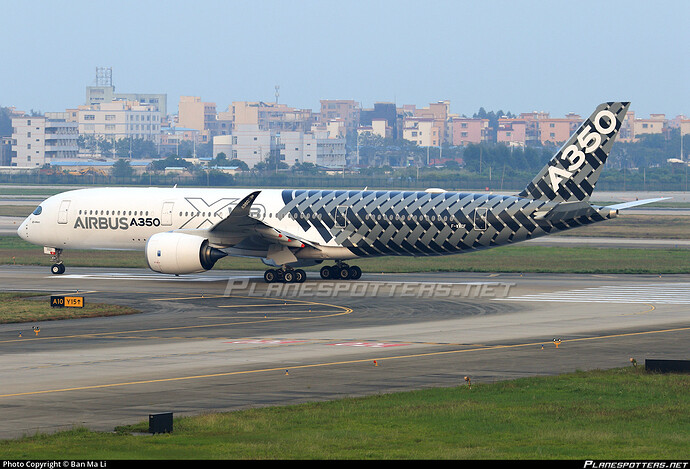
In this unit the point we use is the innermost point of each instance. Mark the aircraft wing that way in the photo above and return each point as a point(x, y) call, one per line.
point(239, 226)
point(635, 203)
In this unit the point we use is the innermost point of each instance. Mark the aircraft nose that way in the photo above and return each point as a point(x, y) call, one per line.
point(23, 230)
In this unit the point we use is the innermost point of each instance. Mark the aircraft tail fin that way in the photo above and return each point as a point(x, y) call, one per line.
point(571, 174)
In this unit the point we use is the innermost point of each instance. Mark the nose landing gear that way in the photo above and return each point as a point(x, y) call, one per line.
point(58, 267)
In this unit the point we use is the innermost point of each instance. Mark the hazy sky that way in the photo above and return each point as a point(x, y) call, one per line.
point(517, 56)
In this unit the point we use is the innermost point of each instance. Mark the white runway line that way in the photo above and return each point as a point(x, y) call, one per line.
point(668, 293)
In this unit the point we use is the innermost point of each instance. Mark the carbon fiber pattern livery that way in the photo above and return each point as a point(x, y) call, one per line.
point(384, 223)
point(577, 184)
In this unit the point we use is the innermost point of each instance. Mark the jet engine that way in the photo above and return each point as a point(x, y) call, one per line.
point(179, 253)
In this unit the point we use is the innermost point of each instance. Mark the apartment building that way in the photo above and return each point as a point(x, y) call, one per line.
point(464, 130)
point(253, 145)
point(193, 113)
point(346, 111)
point(106, 93)
point(378, 127)
point(247, 143)
point(116, 120)
point(512, 132)
point(272, 116)
point(386, 111)
point(39, 140)
point(422, 131)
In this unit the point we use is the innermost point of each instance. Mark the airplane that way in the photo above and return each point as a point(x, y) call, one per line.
point(187, 230)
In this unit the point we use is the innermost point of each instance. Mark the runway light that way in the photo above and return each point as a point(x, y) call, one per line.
point(286, 372)
point(557, 342)
point(36, 330)
point(469, 382)
point(375, 364)
point(633, 361)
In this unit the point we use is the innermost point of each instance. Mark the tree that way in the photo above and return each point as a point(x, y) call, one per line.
point(122, 169)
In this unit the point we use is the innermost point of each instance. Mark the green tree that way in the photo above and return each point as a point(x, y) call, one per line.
point(122, 169)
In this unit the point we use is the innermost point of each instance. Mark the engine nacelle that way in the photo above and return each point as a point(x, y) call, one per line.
point(179, 253)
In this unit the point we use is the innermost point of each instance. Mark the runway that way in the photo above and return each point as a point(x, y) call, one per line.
point(224, 341)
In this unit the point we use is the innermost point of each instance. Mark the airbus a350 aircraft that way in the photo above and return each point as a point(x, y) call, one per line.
point(184, 231)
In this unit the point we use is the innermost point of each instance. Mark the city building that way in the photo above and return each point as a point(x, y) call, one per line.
point(37, 140)
point(272, 116)
point(104, 92)
point(465, 130)
point(346, 111)
point(116, 120)
point(387, 111)
point(247, 143)
point(422, 131)
point(512, 132)
point(252, 145)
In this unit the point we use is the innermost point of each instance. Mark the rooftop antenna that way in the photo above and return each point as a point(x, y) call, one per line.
point(277, 87)
point(104, 76)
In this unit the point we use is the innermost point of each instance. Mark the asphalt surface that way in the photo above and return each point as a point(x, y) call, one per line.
point(223, 341)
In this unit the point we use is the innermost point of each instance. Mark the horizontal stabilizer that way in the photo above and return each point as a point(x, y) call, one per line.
point(565, 211)
point(635, 203)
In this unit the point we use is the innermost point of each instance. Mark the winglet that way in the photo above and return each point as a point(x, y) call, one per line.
point(239, 214)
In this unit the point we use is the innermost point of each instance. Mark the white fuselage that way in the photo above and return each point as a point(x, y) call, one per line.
point(125, 218)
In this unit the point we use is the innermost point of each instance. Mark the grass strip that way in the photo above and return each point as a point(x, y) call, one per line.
point(18, 307)
point(617, 414)
point(516, 258)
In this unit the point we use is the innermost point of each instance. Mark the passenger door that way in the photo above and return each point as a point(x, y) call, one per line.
point(63, 212)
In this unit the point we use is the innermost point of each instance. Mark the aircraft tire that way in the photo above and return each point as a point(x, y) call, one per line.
point(289, 276)
point(326, 273)
point(355, 273)
point(344, 273)
point(58, 269)
point(270, 276)
point(300, 276)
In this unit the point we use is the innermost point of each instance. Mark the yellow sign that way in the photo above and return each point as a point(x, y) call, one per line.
point(67, 301)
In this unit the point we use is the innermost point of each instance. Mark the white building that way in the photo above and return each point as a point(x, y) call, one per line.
point(39, 140)
point(120, 119)
point(246, 143)
point(251, 145)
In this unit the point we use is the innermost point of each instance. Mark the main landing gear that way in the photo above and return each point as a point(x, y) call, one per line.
point(58, 267)
point(285, 275)
point(341, 271)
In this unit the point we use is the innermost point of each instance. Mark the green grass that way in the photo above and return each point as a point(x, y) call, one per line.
point(17, 307)
point(618, 414)
point(517, 258)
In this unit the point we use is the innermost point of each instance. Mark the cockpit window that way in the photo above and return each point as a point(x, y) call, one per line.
point(38, 210)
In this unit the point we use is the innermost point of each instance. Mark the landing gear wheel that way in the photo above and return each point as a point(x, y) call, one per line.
point(355, 273)
point(344, 273)
point(270, 276)
point(326, 272)
point(58, 269)
point(289, 276)
point(300, 276)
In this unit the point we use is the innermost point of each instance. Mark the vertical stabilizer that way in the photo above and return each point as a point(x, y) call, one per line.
point(572, 173)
